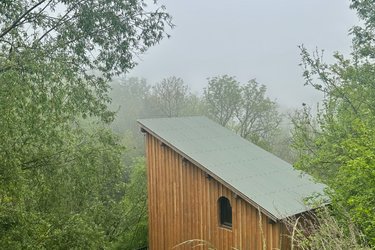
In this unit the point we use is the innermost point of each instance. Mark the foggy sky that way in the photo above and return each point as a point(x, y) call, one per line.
point(249, 39)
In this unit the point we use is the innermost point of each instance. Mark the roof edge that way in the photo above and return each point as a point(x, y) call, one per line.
point(273, 217)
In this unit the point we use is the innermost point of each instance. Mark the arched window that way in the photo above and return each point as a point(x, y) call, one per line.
point(225, 212)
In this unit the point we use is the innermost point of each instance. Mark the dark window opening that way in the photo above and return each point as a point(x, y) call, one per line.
point(225, 212)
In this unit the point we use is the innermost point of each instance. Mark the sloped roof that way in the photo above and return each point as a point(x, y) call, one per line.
point(254, 174)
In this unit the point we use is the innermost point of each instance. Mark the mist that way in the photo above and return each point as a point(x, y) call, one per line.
point(249, 39)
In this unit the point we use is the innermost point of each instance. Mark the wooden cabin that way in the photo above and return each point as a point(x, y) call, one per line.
point(208, 187)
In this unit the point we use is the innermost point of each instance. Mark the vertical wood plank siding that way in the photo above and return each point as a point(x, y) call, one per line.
point(183, 206)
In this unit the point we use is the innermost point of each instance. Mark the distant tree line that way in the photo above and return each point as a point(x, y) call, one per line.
point(244, 108)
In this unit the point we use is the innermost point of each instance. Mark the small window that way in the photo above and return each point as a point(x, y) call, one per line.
point(225, 212)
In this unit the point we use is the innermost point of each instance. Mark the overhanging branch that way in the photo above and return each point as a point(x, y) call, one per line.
point(15, 23)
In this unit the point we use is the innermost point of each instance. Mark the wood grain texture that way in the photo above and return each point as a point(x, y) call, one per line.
point(183, 206)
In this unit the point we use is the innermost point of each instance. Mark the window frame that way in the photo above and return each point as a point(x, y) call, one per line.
point(225, 212)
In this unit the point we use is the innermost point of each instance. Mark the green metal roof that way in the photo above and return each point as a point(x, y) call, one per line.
point(254, 174)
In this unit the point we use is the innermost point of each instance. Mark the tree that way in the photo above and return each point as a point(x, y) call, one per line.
point(341, 149)
point(194, 105)
point(129, 99)
point(61, 181)
point(132, 229)
point(243, 108)
point(364, 36)
point(130, 102)
point(79, 37)
point(170, 95)
point(258, 118)
point(88, 34)
point(304, 131)
point(222, 97)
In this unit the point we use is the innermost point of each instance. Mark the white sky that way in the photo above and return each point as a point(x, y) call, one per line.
point(249, 39)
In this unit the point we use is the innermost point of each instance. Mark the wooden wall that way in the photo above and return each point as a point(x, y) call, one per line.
point(183, 206)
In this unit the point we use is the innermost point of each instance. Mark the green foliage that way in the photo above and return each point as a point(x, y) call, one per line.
point(222, 97)
point(134, 229)
point(305, 130)
point(170, 95)
point(64, 184)
point(89, 34)
point(354, 184)
point(338, 146)
point(281, 143)
point(258, 118)
point(244, 108)
point(58, 199)
point(363, 39)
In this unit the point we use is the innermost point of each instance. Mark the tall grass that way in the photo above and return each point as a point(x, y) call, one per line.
point(199, 243)
point(321, 231)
